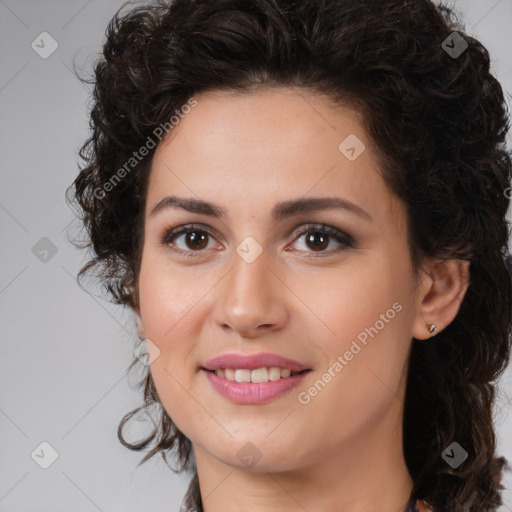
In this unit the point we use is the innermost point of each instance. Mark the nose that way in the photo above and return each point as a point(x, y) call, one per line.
point(252, 299)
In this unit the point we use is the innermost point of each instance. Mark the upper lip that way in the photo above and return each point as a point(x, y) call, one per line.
point(252, 362)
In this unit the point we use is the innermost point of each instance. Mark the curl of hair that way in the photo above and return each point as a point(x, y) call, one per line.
point(438, 125)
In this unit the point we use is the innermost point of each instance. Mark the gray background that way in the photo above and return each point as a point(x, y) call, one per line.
point(65, 351)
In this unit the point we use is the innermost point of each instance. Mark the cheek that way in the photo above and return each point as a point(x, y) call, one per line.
point(169, 306)
point(167, 295)
point(345, 302)
point(366, 317)
point(164, 313)
point(363, 374)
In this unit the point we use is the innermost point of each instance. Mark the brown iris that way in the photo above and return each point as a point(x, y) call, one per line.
point(197, 239)
point(318, 240)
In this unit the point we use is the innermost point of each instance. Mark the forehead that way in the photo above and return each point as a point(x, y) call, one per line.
point(254, 149)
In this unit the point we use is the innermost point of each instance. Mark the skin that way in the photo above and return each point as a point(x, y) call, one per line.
point(343, 449)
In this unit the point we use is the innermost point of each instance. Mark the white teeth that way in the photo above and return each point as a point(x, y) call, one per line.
point(242, 375)
point(258, 375)
point(274, 373)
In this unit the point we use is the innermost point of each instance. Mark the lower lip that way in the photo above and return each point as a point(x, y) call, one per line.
point(253, 393)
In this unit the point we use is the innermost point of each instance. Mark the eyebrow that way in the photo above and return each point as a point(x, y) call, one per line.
point(280, 211)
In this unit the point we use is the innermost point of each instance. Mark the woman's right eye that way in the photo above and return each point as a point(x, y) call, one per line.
point(193, 236)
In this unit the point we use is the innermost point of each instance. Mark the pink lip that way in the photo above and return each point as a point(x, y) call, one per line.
point(253, 393)
point(252, 362)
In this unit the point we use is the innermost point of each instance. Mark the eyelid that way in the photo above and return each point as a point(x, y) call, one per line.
point(171, 233)
point(324, 228)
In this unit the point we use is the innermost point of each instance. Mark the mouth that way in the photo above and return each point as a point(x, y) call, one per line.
point(256, 386)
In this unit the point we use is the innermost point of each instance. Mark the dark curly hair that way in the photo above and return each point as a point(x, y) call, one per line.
point(439, 123)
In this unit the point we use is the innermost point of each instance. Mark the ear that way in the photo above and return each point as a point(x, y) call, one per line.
point(443, 286)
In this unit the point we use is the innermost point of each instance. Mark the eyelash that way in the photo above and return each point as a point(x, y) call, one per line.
point(341, 237)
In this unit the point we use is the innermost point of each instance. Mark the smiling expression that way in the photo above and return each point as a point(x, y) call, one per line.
point(262, 236)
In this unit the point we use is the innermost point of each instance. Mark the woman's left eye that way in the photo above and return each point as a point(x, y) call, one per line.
point(318, 237)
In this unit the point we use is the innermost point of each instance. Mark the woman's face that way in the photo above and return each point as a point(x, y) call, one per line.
point(248, 282)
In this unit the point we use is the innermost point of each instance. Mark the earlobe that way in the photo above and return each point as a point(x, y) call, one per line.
point(440, 296)
point(432, 328)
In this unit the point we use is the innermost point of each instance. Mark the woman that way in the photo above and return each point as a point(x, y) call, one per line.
point(304, 206)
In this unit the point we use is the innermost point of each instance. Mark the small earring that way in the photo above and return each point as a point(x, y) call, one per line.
point(431, 328)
